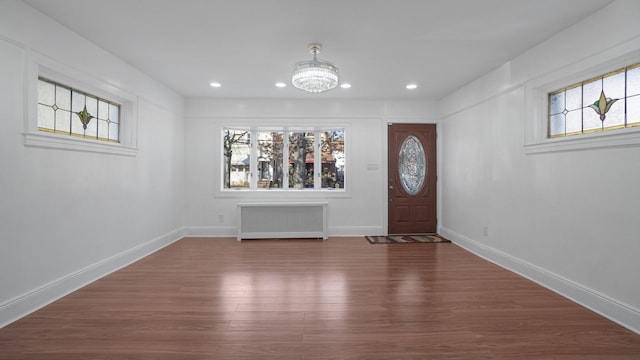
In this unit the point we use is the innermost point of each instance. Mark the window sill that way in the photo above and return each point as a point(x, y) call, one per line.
point(279, 194)
point(609, 139)
point(50, 141)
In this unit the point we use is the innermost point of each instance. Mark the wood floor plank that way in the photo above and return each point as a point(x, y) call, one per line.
point(217, 298)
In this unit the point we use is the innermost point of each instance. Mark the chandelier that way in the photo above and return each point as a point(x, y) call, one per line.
point(315, 75)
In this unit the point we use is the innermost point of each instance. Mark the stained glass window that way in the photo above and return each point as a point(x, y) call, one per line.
point(607, 102)
point(65, 110)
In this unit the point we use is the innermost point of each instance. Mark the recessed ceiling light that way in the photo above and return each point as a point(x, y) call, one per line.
point(412, 86)
point(281, 84)
point(345, 85)
point(215, 84)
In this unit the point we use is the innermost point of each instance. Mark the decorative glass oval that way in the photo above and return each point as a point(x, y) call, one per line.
point(412, 165)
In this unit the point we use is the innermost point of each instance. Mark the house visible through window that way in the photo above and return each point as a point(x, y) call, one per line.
point(65, 110)
point(284, 159)
point(607, 102)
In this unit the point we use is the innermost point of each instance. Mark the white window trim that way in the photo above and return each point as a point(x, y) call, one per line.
point(41, 65)
point(536, 104)
point(278, 194)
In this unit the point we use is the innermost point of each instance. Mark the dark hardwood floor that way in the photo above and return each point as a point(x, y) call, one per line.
point(216, 298)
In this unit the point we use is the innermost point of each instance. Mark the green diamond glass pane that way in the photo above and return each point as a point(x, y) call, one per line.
point(411, 165)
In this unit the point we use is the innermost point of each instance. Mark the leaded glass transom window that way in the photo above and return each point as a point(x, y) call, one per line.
point(65, 110)
point(607, 102)
point(411, 165)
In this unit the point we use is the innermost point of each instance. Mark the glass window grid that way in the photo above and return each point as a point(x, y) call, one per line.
point(319, 175)
point(577, 117)
point(66, 121)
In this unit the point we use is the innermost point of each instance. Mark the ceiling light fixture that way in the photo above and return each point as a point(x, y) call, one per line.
point(215, 84)
point(412, 86)
point(345, 85)
point(281, 84)
point(315, 75)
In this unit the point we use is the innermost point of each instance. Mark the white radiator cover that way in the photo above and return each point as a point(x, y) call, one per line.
point(282, 220)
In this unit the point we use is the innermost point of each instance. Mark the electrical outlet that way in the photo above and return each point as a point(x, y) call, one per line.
point(220, 218)
point(485, 231)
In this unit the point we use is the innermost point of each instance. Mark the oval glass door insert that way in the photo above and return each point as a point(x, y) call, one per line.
point(412, 164)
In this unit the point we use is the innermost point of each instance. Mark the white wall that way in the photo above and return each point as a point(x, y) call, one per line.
point(363, 211)
point(566, 219)
point(69, 217)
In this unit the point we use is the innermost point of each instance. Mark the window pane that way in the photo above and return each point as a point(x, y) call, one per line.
point(591, 92)
point(103, 129)
point(237, 160)
point(45, 117)
point(77, 101)
point(114, 131)
point(614, 85)
point(114, 113)
point(46, 92)
point(270, 161)
point(332, 150)
point(633, 110)
point(301, 161)
point(63, 121)
point(574, 122)
point(633, 81)
point(556, 125)
point(591, 120)
point(615, 115)
point(556, 103)
point(92, 106)
point(76, 125)
point(63, 98)
point(574, 98)
point(103, 110)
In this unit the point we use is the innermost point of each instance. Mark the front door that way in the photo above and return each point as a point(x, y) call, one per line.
point(412, 179)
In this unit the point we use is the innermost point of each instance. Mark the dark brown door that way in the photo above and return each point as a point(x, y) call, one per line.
point(412, 179)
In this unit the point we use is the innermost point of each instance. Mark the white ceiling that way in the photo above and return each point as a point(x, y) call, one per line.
point(379, 46)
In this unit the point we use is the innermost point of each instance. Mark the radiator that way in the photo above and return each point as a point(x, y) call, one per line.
point(282, 220)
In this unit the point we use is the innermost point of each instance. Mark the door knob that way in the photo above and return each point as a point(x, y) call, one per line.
point(391, 187)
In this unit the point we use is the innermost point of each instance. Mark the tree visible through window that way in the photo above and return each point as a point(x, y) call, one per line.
point(607, 102)
point(284, 159)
